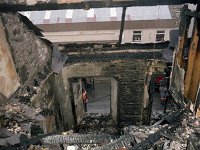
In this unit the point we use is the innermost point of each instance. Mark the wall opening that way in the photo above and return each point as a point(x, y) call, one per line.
point(102, 95)
point(99, 96)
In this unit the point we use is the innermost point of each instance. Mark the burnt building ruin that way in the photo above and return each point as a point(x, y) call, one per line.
point(41, 85)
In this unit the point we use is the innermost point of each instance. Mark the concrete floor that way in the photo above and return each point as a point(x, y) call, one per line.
point(99, 98)
point(158, 108)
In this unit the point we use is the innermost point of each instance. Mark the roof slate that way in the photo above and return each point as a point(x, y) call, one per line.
point(102, 14)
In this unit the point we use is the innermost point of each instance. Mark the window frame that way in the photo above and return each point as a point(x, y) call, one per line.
point(160, 33)
point(137, 33)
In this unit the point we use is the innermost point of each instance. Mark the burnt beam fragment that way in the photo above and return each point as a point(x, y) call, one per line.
point(9, 6)
point(147, 143)
point(77, 139)
point(122, 26)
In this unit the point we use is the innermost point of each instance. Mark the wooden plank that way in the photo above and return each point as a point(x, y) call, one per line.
point(27, 5)
point(191, 59)
point(183, 29)
point(195, 77)
point(181, 46)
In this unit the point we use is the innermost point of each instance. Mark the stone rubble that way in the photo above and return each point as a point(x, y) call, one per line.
point(18, 118)
point(98, 123)
point(98, 132)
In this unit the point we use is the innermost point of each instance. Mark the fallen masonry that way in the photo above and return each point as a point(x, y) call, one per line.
point(176, 130)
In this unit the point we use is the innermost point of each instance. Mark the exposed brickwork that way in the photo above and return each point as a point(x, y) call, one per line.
point(130, 75)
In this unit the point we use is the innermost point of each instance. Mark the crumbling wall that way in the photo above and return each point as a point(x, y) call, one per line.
point(30, 54)
point(78, 103)
point(130, 75)
point(8, 76)
point(61, 95)
point(52, 96)
point(177, 81)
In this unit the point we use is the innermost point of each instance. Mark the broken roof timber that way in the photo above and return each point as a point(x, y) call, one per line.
point(26, 5)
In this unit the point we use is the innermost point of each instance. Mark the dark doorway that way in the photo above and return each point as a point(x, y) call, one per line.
point(99, 96)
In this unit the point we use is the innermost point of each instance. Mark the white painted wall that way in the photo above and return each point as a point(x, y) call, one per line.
point(82, 36)
point(148, 36)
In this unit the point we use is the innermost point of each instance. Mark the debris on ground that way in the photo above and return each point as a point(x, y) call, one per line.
point(98, 123)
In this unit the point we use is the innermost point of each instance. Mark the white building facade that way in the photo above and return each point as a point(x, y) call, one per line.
point(142, 24)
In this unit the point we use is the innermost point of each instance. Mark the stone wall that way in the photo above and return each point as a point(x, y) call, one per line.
point(8, 76)
point(52, 95)
point(30, 54)
point(130, 75)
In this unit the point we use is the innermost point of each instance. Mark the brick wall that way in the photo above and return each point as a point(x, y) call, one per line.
point(130, 75)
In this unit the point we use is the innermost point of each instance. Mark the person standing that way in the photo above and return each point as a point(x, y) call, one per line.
point(85, 99)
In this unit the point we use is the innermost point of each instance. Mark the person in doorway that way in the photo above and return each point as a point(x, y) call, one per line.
point(163, 94)
point(158, 79)
point(85, 99)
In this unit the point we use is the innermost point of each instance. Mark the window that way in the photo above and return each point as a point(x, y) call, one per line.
point(137, 36)
point(160, 36)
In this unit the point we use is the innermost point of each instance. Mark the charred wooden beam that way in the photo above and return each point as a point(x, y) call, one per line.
point(77, 139)
point(191, 60)
point(183, 31)
point(122, 26)
point(147, 143)
point(194, 58)
point(195, 79)
point(27, 5)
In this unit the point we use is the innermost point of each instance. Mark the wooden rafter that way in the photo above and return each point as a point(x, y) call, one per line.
point(183, 32)
point(194, 85)
point(191, 60)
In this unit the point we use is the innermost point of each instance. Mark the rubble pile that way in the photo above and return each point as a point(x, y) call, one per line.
point(98, 123)
point(98, 132)
point(172, 136)
point(95, 130)
point(156, 115)
point(19, 121)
